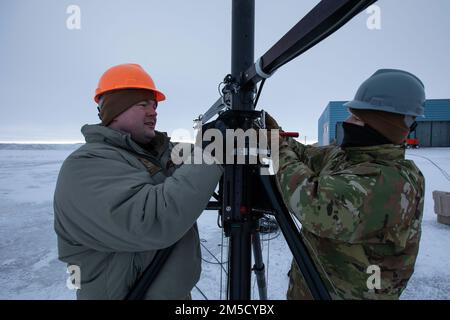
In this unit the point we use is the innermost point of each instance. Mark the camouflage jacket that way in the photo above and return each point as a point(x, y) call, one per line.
point(360, 210)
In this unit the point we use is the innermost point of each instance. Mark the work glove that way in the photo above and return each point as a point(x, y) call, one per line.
point(271, 124)
point(219, 125)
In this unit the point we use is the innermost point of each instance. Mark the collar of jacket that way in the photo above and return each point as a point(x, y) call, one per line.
point(380, 152)
point(158, 144)
point(120, 139)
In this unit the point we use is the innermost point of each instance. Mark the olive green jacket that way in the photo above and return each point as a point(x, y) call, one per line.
point(117, 203)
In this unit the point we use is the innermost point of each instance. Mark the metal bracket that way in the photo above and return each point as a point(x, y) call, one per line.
point(218, 106)
point(259, 70)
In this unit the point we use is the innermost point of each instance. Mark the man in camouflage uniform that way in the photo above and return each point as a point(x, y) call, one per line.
point(361, 203)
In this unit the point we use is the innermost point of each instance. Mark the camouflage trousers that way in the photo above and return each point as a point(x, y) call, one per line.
point(297, 290)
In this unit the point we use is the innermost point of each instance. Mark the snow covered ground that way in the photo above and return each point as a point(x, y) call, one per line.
point(29, 268)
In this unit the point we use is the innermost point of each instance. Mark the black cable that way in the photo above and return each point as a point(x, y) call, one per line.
point(201, 292)
point(268, 263)
point(219, 222)
point(221, 274)
point(253, 289)
point(210, 262)
point(274, 237)
point(259, 92)
point(215, 258)
point(218, 88)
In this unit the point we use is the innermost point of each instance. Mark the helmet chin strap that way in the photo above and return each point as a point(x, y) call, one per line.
point(411, 122)
point(100, 105)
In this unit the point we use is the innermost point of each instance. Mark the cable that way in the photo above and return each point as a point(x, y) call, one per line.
point(201, 292)
point(210, 262)
point(267, 265)
point(274, 237)
point(259, 92)
point(221, 263)
point(253, 288)
point(221, 259)
point(215, 258)
point(219, 222)
point(220, 90)
point(446, 175)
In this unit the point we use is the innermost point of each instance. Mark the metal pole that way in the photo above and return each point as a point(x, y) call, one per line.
point(259, 267)
point(235, 176)
point(242, 48)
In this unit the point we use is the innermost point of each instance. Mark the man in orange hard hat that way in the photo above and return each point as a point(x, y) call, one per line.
point(119, 199)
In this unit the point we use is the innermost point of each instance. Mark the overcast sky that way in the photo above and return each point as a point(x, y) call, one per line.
point(48, 73)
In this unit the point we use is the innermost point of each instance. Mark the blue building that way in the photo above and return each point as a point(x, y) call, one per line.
point(433, 130)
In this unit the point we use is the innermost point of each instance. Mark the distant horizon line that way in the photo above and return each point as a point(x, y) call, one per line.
point(41, 141)
point(80, 142)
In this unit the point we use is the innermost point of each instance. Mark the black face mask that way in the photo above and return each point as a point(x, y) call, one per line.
point(361, 136)
point(413, 127)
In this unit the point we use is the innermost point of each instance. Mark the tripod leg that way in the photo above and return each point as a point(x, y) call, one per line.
point(259, 267)
point(295, 242)
point(239, 262)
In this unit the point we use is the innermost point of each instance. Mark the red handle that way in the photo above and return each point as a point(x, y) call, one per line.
point(289, 134)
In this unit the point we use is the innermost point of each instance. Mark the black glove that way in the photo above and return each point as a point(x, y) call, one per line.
point(271, 123)
point(219, 125)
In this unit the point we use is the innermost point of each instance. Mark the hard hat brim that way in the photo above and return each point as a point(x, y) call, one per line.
point(361, 105)
point(158, 94)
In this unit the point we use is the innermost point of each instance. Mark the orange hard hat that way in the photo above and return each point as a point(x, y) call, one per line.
point(126, 76)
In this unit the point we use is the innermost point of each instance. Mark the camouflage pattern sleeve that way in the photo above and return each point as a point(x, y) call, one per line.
point(314, 157)
point(326, 204)
point(352, 203)
point(314, 199)
point(358, 207)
